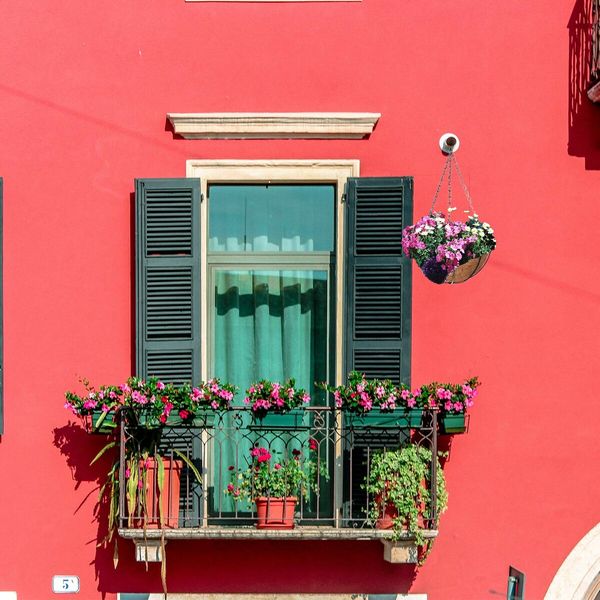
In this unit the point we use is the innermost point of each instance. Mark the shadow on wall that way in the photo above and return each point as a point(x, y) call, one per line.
point(584, 115)
point(79, 449)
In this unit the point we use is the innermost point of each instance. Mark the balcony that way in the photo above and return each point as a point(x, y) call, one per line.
point(196, 504)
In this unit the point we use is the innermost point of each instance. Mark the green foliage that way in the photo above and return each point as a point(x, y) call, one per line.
point(402, 479)
point(272, 474)
point(148, 403)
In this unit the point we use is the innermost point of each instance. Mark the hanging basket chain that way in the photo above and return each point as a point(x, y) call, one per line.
point(439, 185)
point(464, 186)
point(448, 168)
point(450, 207)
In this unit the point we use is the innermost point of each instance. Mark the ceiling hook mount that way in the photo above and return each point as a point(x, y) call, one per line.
point(449, 143)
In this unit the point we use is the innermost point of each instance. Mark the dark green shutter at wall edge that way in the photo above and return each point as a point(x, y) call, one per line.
point(378, 278)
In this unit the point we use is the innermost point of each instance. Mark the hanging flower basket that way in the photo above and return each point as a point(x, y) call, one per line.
point(449, 251)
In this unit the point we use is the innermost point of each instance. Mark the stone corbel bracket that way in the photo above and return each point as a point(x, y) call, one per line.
point(301, 125)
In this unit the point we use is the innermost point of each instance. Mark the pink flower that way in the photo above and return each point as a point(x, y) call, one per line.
point(184, 414)
point(306, 398)
point(266, 456)
point(277, 466)
point(230, 487)
point(443, 394)
point(160, 385)
point(127, 473)
point(338, 399)
point(313, 444)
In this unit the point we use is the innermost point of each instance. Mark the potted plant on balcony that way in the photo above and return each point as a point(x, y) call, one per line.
point(97, 408)
point(375, 403)
point(200, 405)
point(448, 251)
point(151, 404)
point(274, 482)
point(400, 485)
point(277, 405)
point(454, 401)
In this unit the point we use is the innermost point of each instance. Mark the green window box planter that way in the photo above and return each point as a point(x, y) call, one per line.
point(294, 419)
point(451, 424)
point(203, 418)
point(100, 422)
point(398, 419)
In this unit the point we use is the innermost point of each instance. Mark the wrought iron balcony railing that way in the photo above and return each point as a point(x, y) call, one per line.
point(199, 461)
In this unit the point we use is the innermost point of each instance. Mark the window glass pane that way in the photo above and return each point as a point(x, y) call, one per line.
point(270, 324)
point(271, 218)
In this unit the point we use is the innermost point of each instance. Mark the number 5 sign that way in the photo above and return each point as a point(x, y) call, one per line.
point(65, 584)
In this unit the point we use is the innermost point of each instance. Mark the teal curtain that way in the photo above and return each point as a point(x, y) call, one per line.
point(267, 325)
point(270, 325)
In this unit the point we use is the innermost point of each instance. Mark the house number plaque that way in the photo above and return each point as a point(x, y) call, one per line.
point(65, 584)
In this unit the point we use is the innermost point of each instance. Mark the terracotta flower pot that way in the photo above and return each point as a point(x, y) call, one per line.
point(387, 513)
point(275, 513)
point(168, 496)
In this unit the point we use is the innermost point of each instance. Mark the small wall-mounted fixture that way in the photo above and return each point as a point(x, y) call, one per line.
point(449, 143)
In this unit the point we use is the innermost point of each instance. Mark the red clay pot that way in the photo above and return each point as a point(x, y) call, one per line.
point(169, 497)
point(275, 513)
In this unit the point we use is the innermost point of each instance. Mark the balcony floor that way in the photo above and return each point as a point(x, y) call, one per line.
point(250, 532)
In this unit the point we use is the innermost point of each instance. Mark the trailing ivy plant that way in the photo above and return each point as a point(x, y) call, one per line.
point(401, 480)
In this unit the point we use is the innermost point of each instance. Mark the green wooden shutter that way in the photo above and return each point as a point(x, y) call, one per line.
point(378, 278)
point(168, 279)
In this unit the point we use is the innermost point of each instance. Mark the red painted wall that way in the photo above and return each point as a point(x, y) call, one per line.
point(83, 100)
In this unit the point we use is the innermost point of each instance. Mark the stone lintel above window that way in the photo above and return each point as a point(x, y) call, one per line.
point(289, 125)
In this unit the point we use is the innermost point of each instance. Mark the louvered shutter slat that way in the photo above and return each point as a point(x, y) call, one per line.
point(378, 278)
point(168, 279)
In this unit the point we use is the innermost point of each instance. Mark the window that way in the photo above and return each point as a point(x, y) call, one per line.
point(191, 254)
point(272, 269)
point(271, 259)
